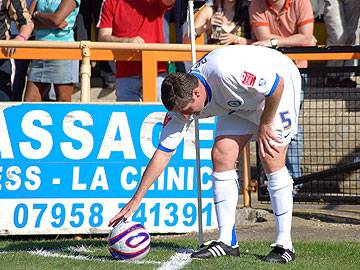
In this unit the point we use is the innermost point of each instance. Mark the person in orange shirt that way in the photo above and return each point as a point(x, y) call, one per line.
point(282, 23)
point(285, 23)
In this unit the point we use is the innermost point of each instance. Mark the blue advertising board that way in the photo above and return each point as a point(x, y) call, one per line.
point(68, 168)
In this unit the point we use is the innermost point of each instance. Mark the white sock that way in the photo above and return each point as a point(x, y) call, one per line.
point(226, 194)
point(280, 186)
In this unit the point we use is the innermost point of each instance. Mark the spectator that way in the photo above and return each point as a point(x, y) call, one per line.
point(285, 23)
point(88, 17)
point(177, 15)
point(232, 20)
point(133, 22)
point(54, 21)
point(12, 10)
point(19, 68)
point(342, 26)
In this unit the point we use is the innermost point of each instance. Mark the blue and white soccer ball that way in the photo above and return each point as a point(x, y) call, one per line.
point(129, 240)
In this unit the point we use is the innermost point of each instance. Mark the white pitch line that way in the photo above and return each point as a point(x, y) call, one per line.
point(177, 261)
point(82, 248)
point(53, 253)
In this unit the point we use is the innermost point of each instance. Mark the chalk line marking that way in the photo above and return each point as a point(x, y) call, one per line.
point(177, 261)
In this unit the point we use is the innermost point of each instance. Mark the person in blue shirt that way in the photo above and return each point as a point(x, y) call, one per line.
point(16, 12)
point(54, 21)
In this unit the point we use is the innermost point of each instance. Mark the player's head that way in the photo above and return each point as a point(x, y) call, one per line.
point(181, 92)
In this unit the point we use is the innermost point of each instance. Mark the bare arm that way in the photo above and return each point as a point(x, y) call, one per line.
point(304, 37)
point(57, 19)
point(25, 28)
point(201, 22)
point(105, 34)
point(265, 132)
point(155, 167)
point(32, 9)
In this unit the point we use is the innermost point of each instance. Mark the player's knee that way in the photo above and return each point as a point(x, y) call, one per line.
point(222, 160)
point(279, 179)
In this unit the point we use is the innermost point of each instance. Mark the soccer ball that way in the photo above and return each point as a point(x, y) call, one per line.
point(129, 240)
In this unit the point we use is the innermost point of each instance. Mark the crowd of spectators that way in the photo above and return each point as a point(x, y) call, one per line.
point(272, 23)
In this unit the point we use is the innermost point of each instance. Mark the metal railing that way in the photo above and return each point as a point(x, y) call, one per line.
point(150, 55)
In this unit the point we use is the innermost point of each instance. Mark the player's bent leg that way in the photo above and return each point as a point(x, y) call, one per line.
point(226, 193)
point(280, 186)
point(225, 187)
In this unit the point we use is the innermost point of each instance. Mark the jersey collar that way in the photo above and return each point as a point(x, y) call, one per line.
point(284, 9)
point(204, 82)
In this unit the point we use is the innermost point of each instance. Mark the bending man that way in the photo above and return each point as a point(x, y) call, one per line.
point(254, 91)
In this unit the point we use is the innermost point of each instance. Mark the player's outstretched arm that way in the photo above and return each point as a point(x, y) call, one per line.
point(155, 167)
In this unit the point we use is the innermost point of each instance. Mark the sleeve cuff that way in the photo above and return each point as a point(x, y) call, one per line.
point(275, 85)
point(163, 148)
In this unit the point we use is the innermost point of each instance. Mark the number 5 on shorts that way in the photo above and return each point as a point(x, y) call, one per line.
point(285, 119)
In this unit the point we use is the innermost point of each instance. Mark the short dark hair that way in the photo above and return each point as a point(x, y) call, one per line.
point(177, 90)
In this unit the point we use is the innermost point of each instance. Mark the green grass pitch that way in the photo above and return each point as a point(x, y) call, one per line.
point(170, 253)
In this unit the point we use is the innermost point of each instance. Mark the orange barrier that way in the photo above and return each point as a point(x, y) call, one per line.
point(148, 54)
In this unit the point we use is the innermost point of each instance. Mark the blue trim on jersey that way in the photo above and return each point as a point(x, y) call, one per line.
point(233, 237)
point(204, 82)
point(163, 148)
point(276, 83)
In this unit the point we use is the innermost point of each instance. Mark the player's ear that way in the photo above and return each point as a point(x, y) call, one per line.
point(196, 92)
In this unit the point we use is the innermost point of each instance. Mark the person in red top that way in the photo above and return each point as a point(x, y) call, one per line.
point(133, 21)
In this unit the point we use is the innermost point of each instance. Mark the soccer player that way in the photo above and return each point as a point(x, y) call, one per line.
point(254, 91)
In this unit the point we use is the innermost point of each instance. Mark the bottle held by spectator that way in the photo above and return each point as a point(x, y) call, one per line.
point(216, 29)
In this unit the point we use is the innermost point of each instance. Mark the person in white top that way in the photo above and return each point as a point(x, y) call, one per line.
point(254, 91)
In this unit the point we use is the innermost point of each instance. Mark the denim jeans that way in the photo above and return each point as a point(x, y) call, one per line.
point(294, 154)
point(342, 19)
point(130, 88)
point(295, 147)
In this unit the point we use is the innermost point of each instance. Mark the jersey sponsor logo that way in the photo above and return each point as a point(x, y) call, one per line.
point(234, 103)
point(262, 82)
point(247, 78)
point(166, 119)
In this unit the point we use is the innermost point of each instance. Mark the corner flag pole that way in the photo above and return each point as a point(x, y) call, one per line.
point(197, 144)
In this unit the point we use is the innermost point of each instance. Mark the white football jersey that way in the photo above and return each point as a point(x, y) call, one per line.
point(237, 79)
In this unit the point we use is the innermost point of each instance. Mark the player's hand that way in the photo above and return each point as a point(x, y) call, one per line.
point(126, 212)
point(268, 141)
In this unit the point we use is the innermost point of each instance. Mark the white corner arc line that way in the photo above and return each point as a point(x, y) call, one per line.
point(52, 253)
point(177, 261)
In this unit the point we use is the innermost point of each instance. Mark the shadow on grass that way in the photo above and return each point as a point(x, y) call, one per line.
point(171, 245)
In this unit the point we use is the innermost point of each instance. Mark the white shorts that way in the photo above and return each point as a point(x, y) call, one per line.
point(285, 121)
